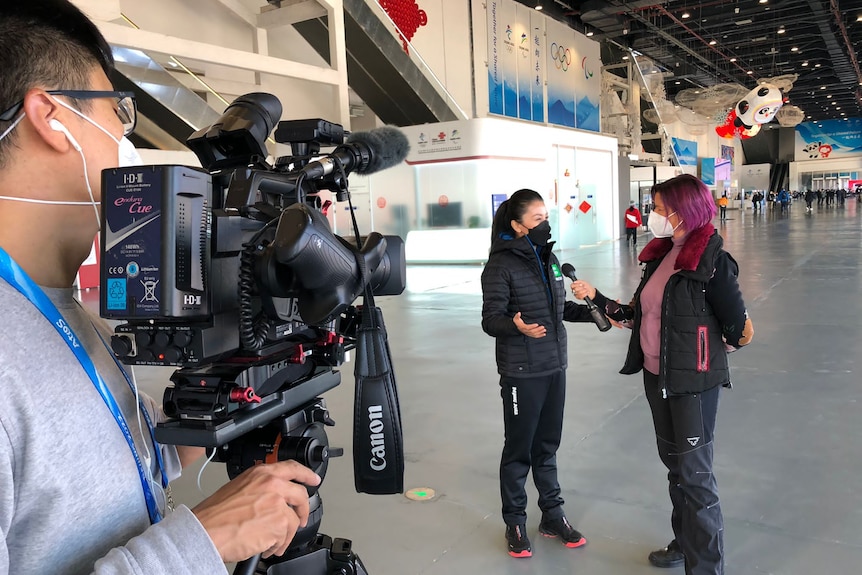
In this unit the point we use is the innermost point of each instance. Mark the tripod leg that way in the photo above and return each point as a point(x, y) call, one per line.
point(247, 567)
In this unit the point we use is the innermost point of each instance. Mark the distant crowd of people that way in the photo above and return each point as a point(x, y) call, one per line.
point(784, 198)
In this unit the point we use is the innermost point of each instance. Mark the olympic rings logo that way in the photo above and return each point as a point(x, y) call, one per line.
point(562, 57)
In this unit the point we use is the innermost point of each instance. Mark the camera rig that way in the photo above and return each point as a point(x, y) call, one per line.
point(232, 274)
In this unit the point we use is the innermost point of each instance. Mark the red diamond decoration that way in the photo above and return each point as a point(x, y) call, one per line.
point(585, 206)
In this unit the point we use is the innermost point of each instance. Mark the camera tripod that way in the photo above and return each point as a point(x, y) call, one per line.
point(311, 553)
point(288, 424)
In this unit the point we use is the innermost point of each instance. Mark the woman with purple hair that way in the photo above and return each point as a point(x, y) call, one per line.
point(687, 313)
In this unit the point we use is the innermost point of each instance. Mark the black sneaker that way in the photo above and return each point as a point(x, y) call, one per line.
point(563, 529)
point(670, 556)
point(519, 543)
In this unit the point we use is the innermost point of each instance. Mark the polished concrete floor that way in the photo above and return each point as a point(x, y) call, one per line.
point(788, 443)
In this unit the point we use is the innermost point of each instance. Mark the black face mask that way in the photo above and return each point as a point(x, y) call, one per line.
point(540, 234)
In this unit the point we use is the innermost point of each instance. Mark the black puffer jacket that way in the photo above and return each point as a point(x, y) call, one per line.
point(702, 308)
point(517, 278)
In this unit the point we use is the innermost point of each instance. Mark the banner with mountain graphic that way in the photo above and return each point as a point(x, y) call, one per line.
point(685, 150)
point(528, 53)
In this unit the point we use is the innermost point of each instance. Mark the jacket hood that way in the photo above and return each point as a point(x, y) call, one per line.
point(692, 251)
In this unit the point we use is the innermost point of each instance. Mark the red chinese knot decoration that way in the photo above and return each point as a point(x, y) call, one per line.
point(407, 16)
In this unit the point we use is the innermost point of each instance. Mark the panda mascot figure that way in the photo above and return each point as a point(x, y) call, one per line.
point(759, 106)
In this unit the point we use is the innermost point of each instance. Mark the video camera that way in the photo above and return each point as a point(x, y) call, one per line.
point(233, 274)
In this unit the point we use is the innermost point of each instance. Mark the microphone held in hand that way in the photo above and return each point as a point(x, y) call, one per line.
point(598, 317)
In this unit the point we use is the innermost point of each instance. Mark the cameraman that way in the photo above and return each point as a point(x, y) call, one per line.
point(81, 481)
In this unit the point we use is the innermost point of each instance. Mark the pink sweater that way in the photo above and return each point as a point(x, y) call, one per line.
point(651, 304)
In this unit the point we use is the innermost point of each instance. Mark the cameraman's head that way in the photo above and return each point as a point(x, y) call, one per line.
point(58, 127)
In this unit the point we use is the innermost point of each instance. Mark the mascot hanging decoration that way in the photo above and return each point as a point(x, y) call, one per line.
point(758, 107)
point(728, 129)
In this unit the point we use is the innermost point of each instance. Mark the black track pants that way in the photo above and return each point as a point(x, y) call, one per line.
point(684, 428)
point(533, 422)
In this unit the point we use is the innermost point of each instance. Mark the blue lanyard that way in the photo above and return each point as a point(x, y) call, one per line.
point(18, 278)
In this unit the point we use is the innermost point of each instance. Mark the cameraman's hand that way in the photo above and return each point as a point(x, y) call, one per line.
point(259, 511)
point(582, 289)
point(535, 330)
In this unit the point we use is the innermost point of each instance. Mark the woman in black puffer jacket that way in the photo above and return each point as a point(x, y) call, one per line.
point(687, 313)
point(524, 305)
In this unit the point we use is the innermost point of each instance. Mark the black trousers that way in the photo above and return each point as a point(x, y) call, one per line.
point(632, 235)
point(533, 423)
point(723, 212)
point(684, 429)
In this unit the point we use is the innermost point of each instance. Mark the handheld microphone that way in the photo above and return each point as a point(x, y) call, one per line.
point(364, 153)
point(598, 317)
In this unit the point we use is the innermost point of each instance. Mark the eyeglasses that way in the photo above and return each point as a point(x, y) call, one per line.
point(126, 109)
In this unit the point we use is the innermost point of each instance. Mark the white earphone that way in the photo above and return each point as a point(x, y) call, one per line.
point(57, 126)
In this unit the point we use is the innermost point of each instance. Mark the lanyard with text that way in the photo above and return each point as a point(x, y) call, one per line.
point(18, 278)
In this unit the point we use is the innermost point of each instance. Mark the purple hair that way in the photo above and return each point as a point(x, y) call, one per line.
point(689, 198)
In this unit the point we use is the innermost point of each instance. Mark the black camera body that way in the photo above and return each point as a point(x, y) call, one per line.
point(232, 273)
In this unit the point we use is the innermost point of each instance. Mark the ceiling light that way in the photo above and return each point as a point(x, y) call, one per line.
point(538, 7)
point(816, 65)
point(822, 87)
point(712, 42)
point(829, 97)
point(859, 18)
point(677, 82)
point(805, 63)
point(590, 33)
point(734, 60)
point(794, 49)
point(764, 1)
point(625, 57)
point(686, 15)
point(781, 30)
point(749, 72)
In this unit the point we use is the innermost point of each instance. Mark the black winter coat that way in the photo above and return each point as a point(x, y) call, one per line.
point(519, 278)
point(701, 309)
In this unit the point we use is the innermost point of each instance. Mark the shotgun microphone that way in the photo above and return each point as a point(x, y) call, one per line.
point(598, 317)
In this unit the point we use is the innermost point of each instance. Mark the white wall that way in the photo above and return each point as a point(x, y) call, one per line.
point(444, 44)
point(844, 164)
point(469, 161)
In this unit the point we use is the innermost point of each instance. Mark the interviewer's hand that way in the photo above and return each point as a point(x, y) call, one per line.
point(582, 289)
point(535, 330)
point(259, 511)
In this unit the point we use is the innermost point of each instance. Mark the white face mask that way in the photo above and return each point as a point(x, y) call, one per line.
point(660, 225)
point(127, 155)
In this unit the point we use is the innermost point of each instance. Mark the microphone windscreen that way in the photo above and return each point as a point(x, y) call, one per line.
point(389, 147)
point(569, 271)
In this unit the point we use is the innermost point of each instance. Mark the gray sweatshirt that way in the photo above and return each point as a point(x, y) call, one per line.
point(71, 499)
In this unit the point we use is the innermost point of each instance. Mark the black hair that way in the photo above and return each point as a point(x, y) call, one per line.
point(49, 44)
point(513, 209)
